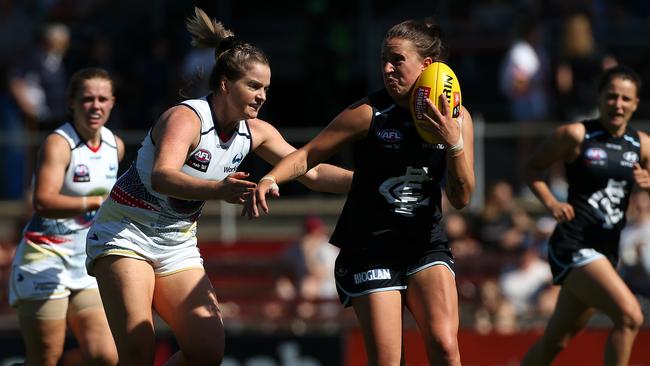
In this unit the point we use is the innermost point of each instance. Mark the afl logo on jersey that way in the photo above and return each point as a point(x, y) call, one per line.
point(81, 173)
point(390, 135)
point(596, 156)
point(200, 160)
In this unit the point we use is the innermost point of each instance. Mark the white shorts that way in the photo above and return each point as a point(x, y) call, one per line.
point(40, 273)
point(132, 232)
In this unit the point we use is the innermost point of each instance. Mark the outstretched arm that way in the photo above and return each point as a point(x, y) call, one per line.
point(272, 147)
point(349, 125)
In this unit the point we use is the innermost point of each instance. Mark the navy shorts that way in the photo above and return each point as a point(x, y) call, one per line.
point(563, 259)
point(359, 274)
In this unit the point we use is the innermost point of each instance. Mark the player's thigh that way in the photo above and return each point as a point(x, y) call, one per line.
point(43, 327)
point(598, 284)
point(380, 316)
point(88, 322)
point(126, 286)
point(187, 301)
point(432, 298)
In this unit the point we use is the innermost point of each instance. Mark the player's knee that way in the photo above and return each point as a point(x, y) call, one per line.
point(631, 317)
point(445, 347)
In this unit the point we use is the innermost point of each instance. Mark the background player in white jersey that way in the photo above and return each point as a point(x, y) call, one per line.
point(394, 253)
point(76, 169)
point(604, 158)
point(142, 247)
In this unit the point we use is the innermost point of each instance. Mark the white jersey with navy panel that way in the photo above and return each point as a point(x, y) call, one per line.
point(50, 259)
point(139, 222)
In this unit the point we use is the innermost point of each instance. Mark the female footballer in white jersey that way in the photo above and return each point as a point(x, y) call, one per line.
point(142, 248)
point(76, 169)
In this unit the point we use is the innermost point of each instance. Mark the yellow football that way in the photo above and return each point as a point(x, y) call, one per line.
point(436, 79)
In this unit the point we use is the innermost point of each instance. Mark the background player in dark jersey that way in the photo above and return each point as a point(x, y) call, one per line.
point(394, 253)
point(604, 158)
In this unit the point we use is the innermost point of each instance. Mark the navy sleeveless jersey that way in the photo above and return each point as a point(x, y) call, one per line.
point(394, 201)
point(600, 181)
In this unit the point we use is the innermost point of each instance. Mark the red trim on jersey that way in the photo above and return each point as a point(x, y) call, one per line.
point(94, 149)
point(40, 238)
point(120, 196)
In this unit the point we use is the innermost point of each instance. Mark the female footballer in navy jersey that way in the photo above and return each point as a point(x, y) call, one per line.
point(604, 158)
point(394, 253)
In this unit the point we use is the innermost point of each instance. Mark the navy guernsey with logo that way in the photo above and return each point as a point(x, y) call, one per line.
point(600, 182)
point(395, 196)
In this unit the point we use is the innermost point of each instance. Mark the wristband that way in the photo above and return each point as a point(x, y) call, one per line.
point(457, 147)
point(268, 177)
point(274, 186)
point(84, 203)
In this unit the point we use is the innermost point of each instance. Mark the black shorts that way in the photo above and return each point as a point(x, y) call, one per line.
point(359, 274)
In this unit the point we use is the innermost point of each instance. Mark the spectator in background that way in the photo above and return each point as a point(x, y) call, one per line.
point(494, 313)
point(635, 246)
point(13, 151)
point(502, 225)
point(311, 259)
point(522, 282)
point(311, 262)
point(579, 60)
point(35, 101)
point(38, 84)
point(461, 243)
point(524, 75)
point(195, 69)
point(525, 81)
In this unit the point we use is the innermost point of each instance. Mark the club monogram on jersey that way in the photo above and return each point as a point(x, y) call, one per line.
point(405, 192)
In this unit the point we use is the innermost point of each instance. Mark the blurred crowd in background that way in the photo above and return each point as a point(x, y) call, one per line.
point(521, 61)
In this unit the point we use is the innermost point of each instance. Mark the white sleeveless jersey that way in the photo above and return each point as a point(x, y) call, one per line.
point(50, 258)
point(169, 219)
point(91, 172)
